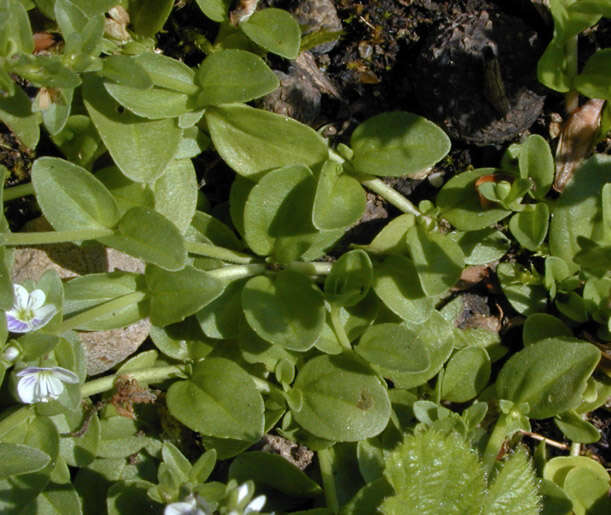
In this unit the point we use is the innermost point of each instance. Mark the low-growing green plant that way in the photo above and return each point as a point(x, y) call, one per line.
point(359, 358)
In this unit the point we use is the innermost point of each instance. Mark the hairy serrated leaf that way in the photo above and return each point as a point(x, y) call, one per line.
point(434, 473)
point(514, 489)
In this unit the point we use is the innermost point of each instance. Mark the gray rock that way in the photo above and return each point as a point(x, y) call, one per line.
point(104, 349)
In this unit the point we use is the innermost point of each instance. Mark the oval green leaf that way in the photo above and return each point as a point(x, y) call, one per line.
point(350, 278)
point(145, 234)
point(397, 144)
point(549, 375)
point(176, 295)
point(275, 30)
point(467, 374)
point(241, 136)
point(529, 226)
point(288, 311)
point(536, 161)
point(340, 199)
point(394, 347)
point(230, 76)
point(343, 400)
point(219, 399)
point(141, 148)
point(459, 202)
point(71, 197)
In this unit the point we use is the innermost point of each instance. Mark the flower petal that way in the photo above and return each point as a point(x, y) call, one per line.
point(37, 299)
point(21, 296)
point(14, 325)
point(65, 375)
point(255, 505)
point(26, 388)
point(53, 385)
point(243, 491)
point(42, 316)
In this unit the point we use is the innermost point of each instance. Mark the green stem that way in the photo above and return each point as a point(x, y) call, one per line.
point(146, 375)
point(212, 251)
point(338, 328)
point(44, 238)
point(325, 462)
point(575, 449)
point(391, 195)
point(234, 272)
point(315, 268)
point(495, 443)
point(22, 190)
point(101, 310)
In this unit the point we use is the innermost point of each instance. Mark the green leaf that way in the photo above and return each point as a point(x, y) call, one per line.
point(391, 239)
point(119, 438)
point(21, 459)
point(460, 202)
point(483, 246)
point(393, 347)
point(126, 192)
point(216, 10)
point(38, 433)
point(514, 489)
point(396, 284)
point(279, 207)
point(343, 399)
point(220, 318)
point(578, 211)
point(288, 311)
point(55, 499)
point(16, 113)
point(168, 73)
point(466, 375)
point(549, 375)
point(176, 193)
point(176, 295)
point(220, 399)
point(56, 115)
point(241, 136)
point(275, 30)
point(525, 293)
point(350, 278)
point(229, 76)
point(125, 70)
point(593, 81)
point(145, 234)
point(78, 451)
point(429, 470)
point(576, 428)
point(148, 17)
point(540, 326)
point(437, 258)
point(91, 290)
point(536, 161)
point(130, 497)
point(272, 472)
point(589, 491)
point(141, 148)
point(397, 144)
point(79, 141)
point(340, 199)
point(71, 197)
point(44, 70)
point(530, 226)
point(15, 29)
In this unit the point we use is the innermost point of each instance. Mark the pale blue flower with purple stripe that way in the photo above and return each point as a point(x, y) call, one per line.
point(43, 384)
point(29, 311)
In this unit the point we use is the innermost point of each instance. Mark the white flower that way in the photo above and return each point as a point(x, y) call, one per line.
point(245, 490)
point(11, 353)
point(29, 311)
point(192, 505)
point(39, 384)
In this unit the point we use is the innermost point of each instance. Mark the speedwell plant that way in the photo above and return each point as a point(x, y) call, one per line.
point(255, 330)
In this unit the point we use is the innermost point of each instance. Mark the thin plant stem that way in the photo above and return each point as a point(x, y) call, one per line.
point(22, 190)
point(571, 99)
point(548, 441)
point(98, 311)
point(338, 328)
point(315, 268)
point(495, 442)
point(212, 251)
point(146, 375)
point(234, 272)
point(392, 196)
point(50, 237)
point(325, 463)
